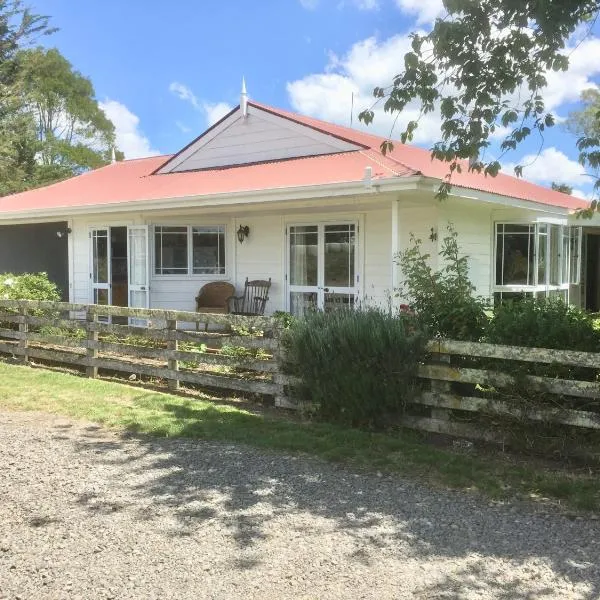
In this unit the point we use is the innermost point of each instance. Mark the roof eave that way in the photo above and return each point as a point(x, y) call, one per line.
point(307, 192)
point(498, 199)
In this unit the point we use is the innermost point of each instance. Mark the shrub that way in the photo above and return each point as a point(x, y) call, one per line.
point(29, 286)
point(358, 367)
point(443, 300)
point(543, 323)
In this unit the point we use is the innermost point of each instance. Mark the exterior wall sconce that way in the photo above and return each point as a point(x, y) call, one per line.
point(433, 236)
point(61, 234)
point(242, 233)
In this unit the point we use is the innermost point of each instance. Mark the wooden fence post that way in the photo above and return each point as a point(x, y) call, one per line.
point(24, 330)
point(440, 387)
point(282, 399)
point(172, 344)
point(91, 317)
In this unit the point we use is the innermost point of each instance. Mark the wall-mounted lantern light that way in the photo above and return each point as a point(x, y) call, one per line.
point(61, 233)
point(242, 233)
point(433, 236)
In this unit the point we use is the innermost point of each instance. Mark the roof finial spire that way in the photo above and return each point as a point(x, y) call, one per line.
point(244, 99)
point(113, 155)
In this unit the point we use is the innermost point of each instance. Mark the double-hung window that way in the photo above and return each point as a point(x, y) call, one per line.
point(189, 250)
point(540, 259)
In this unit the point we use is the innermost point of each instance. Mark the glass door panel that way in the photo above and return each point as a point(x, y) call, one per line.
point(100, 266)
point(302, 302)
point(304, 255)
point(339, 255)
point(137, 258)
point(322, 267)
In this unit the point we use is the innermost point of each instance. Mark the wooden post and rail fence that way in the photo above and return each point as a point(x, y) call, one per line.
point(240, 354)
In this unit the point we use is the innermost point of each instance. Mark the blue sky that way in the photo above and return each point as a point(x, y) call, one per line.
point(164, 71)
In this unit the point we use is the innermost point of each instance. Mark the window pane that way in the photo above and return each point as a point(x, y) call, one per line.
point(575, 265)
point(339, 255)
point(554, 254)
point(302, 302)
point(100, 296)
point(170, 250)
point(338, 302)
point(208, 250)
point(304, 243)
point(517, 253)
point(565, 255)
point(542, 256)
point(100, 256)
point(499, 254)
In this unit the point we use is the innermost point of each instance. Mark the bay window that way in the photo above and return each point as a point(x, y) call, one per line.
point(540, 259)
point(189, 250)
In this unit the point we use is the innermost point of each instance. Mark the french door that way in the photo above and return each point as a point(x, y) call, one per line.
point(104, 283)
point(322, 261)
point(100, 268)
point(137, 266)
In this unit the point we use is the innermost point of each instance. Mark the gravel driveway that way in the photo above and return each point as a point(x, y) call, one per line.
point(87, 513)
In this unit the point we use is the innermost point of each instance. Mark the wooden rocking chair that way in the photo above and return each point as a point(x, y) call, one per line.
point(254, 299)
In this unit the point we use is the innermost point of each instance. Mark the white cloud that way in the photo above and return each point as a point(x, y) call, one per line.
point(212, 111)
point(367, 4)
point(215, 112)
point(184, 93)
point(360, 4)
point(368, 63)
point(130, 140)
point(583, 66)
point(425, 11)
point(582, 194)
point(551, 165)
point(182, 127)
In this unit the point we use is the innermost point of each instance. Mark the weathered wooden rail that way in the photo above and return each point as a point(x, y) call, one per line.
point(448, 409)
point(163, 344)
point(172, 346)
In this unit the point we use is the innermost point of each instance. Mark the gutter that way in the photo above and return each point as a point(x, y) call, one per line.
point(309, 192)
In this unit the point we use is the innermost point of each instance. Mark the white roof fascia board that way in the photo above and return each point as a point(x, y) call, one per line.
point(215, 200)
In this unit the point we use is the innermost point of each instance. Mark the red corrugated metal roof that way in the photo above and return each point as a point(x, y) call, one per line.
point(133, 180)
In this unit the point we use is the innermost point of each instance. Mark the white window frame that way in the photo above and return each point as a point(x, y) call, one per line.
point(564, 264)
point(190, 275)
point(346, 219)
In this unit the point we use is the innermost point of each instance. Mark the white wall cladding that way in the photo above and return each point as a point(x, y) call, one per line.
point(376, 282)
point(263, 253)
point(261, 256)
point(474, 224)
point(258, 138)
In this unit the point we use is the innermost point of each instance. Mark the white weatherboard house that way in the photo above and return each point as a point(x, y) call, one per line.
point(325, 213)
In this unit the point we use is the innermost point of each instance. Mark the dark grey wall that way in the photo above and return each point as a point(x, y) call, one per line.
point(35, 248)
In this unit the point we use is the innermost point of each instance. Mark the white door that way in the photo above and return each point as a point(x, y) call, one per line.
point(137, 266)
point(100, 275)
point(322, 264)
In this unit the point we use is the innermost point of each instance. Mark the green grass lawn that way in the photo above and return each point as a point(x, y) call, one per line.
point(144, 411)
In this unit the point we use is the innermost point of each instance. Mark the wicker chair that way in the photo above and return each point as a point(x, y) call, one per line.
point(214, 298)
point(254, 299)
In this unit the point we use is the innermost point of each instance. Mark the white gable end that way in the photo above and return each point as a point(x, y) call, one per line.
point(259, 137)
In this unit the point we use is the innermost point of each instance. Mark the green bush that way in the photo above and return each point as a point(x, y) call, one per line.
point(543, 323)
point(29, 286)
point(443, 300)
point(358, 367)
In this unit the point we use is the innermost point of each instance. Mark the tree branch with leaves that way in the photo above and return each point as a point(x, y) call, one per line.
point(484, 68)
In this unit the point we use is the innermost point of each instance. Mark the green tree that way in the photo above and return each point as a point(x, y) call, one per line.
point(562, 187)
point(72, 132)
point(586, 120)
point(484, 67)
point(19, 27)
